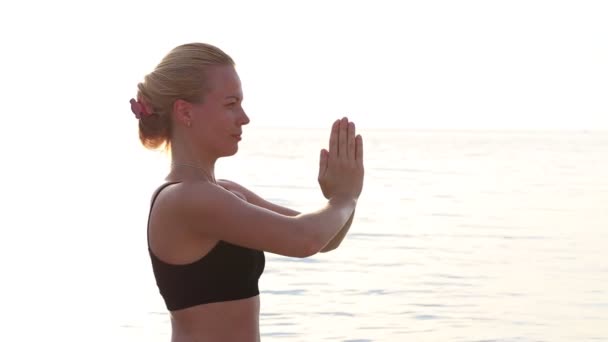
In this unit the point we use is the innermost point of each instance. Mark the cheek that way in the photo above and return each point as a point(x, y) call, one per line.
point(213, 134)
point(205, 134)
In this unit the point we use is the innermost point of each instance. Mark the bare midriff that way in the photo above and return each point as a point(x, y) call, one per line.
point(236, 320)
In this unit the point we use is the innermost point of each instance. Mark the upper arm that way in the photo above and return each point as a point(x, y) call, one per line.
point(257, 200)
point(216, 213)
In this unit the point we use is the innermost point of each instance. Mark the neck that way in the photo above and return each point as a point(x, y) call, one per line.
point(191, 170)
point(185, 164)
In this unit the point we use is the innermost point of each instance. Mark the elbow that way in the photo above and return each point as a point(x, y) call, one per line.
point(311, 239)
point(328, 249)
point(309, 248)
point(310, 245)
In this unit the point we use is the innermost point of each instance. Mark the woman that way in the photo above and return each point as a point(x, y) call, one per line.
point(207, 237)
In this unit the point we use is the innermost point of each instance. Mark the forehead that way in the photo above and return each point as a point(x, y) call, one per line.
point(223, 81)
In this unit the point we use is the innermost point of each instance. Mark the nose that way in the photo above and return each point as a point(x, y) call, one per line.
point(243, 119)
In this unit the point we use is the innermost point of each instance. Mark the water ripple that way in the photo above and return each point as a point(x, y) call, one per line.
point(295, 292)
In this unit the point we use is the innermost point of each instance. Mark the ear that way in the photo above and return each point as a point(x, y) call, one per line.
point(182, 111)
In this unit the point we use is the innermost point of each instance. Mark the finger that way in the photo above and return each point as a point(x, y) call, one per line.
point(333, 139)
point(359, 144)
point(342, 152)
point(322, 163)
point(351, 141)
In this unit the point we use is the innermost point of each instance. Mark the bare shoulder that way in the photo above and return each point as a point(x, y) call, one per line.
point(181, 197)
point(213, 212)
point(235, 188)
point(176, 201)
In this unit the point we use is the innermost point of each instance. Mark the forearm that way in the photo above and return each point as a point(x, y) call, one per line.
point(337, 240)
point(325, 224)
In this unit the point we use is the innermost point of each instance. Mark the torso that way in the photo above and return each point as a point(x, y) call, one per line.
point(232, 321)
point(206, 322)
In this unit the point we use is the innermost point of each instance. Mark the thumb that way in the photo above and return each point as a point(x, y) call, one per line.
point(323, 162)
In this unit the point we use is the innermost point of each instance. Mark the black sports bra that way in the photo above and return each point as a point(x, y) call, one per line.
point(227, 272)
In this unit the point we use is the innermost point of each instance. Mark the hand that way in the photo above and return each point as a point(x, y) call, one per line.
point(341, 168)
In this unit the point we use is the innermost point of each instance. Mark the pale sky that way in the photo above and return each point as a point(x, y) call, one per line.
point(68, 70)
point(389, 64)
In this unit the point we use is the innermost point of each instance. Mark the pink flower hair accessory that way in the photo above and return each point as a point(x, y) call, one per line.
point(139, 109)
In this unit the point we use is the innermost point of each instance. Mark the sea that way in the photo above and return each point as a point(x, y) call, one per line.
point(459, 236)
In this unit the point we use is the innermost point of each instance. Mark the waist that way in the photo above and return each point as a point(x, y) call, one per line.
point(235, 320)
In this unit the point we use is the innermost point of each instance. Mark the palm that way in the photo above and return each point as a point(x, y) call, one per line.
point(341, 168)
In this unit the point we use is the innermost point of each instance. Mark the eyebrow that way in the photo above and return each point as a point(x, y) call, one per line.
point(233, 97)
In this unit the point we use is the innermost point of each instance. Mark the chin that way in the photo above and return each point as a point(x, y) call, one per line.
point(230, 152)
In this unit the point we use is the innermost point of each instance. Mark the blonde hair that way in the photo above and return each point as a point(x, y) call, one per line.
point(180, 75)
